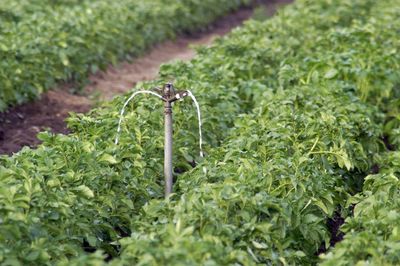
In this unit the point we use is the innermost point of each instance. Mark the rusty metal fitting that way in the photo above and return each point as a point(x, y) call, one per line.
point(169, 94)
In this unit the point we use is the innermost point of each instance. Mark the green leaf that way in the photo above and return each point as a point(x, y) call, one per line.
point(32, 256)
point(108, 158)
point(331, 73)
point(85, 191)
point(321, 205)
point(92, 241)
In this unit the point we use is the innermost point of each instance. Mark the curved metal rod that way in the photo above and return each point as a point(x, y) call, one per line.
point(125, 104)
point(199, 118)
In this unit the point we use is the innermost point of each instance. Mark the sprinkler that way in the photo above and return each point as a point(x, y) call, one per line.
point(168, 95)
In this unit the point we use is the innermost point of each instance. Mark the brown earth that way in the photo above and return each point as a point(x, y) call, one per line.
point(20, 125)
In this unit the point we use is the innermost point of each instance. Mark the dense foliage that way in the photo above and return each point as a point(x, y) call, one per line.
point(372, 235)
point(261, 203)
point(44, 42)
point(294, 113)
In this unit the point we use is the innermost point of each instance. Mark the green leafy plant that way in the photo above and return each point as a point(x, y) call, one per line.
point(372, 234)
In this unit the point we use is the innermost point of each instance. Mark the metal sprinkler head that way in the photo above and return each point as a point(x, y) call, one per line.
point(169, 94)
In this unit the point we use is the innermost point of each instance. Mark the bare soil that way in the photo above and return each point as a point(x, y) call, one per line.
point(333, 224)
point(20, 125)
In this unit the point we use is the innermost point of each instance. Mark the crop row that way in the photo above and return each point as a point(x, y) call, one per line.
point(44, 42)
point(372, 230)
point(372, 234)
point(316, 109)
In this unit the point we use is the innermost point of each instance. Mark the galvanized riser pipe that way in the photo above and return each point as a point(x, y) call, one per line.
point(168, 148)
point(169, 95)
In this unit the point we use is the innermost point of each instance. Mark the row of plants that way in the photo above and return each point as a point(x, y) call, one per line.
point(15, 11)
point(371, 230)
point(367, 54)
point(273, 177)
point(45, 42)
point(372, 233)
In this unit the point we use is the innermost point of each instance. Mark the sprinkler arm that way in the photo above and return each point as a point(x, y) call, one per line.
point(178, 96)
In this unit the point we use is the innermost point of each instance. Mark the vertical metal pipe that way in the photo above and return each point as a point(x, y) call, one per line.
point(168, 148)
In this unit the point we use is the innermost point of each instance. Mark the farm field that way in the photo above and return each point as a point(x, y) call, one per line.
point(301, 130)
point(44, 42)
point(20, 124)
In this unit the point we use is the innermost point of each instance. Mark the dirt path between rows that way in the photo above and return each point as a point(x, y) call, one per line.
point(20, 125)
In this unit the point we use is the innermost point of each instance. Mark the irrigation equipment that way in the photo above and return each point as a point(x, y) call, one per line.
point(168, 95)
